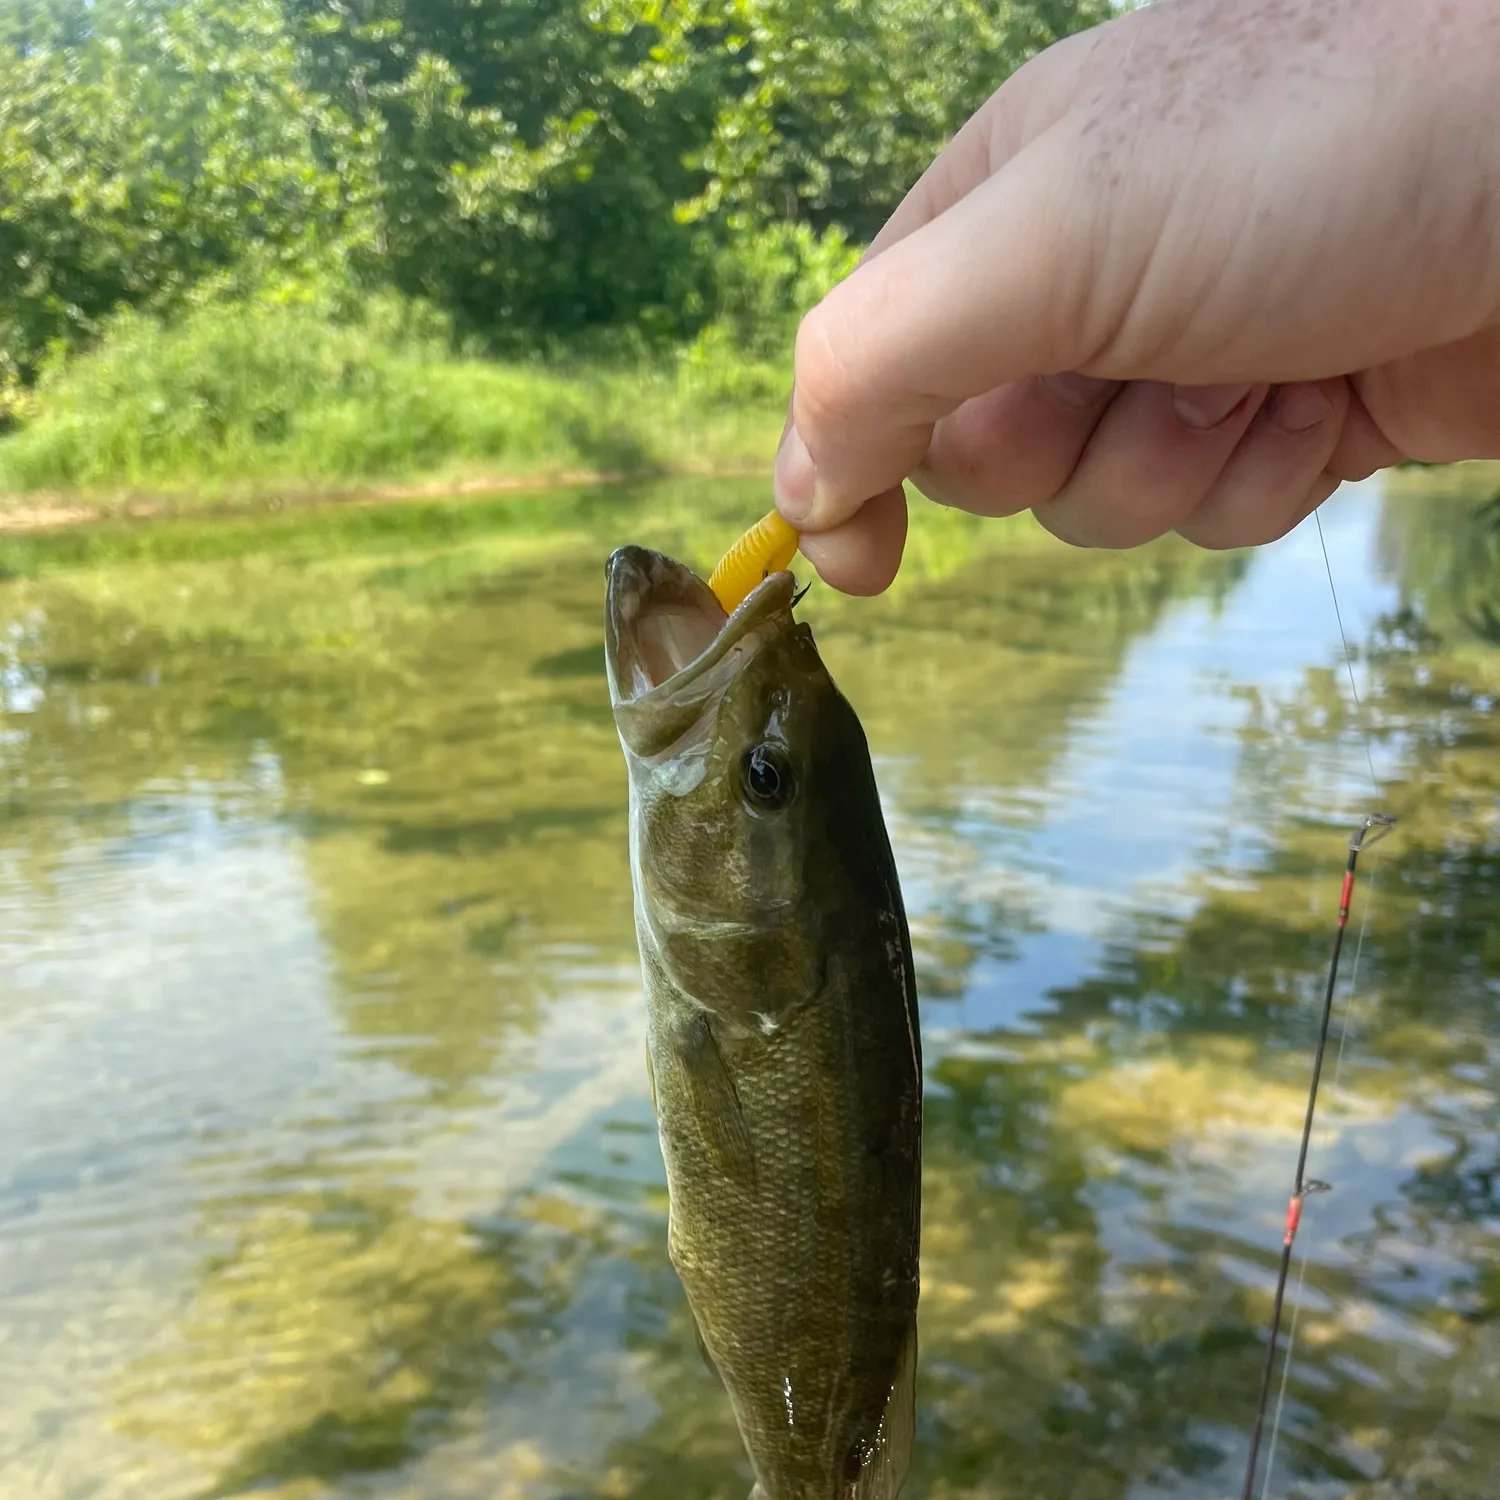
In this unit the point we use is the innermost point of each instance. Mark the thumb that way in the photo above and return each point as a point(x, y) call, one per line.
point(999, 285)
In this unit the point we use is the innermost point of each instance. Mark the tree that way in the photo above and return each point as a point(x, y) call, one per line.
point(836, 109)
point(535, 168)
point(148, 146)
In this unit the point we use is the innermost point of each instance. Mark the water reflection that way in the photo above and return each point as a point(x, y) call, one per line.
point(329, 1165)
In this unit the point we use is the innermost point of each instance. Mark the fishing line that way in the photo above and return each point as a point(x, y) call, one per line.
point(1374, 828)
point(1338, 615)
point(1362, 723)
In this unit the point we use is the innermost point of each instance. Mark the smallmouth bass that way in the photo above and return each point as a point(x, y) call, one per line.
point(782, 1030)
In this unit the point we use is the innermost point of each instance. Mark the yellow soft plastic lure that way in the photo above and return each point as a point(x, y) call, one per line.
point(768, 547)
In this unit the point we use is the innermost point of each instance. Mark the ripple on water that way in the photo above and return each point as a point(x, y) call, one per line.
point(329, 1164)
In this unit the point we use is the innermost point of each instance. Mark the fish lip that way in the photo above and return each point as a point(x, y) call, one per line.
point(635, 574)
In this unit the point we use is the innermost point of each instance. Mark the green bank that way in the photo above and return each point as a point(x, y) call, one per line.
point(272, 247)
point(234, 403)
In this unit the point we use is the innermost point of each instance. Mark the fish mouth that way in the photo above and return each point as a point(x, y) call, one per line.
point(668, 642)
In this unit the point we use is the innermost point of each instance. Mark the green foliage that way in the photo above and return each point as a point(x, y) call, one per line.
point(149, 148)
point(767, 278)
point(838, 108)
point(244, 241)
point(235, 397)
point(537, 169)
point(1449, 576)
point(529, 160)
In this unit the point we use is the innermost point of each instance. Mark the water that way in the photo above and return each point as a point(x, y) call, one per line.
point(327, 1165)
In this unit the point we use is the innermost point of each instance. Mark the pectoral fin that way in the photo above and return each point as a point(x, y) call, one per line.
point(708, 1358)
point(715, 1105)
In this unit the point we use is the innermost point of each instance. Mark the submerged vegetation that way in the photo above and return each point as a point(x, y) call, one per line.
point(352, 775)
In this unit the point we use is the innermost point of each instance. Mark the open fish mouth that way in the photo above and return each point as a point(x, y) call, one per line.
point(665, 632)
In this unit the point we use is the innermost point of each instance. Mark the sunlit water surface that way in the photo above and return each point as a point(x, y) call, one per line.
point(327, 1165)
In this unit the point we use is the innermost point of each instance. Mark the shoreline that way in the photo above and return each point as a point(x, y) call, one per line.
point(54, 511)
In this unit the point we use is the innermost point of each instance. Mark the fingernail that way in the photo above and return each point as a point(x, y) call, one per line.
point(1205, 406)
point(1299, 408)
point(795, 478)
point(1078, 390)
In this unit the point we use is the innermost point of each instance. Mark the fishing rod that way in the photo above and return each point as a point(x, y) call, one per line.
point(1371, 831)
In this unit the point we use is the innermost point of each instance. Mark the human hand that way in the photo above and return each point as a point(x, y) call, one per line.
point(1186, 271)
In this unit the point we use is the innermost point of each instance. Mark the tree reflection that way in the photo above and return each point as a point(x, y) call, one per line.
point(1102, 1199)
point(1103, 1183)
point(440, 735)
point(428, 720)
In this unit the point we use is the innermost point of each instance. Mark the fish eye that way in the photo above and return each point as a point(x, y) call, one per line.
point(766, 776)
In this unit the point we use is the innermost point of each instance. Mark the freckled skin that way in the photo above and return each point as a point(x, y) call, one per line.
point(787, 1073)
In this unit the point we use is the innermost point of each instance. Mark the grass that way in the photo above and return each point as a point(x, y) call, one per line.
point(237, 403)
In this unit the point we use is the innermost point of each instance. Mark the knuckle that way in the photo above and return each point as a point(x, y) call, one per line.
point(826, 392)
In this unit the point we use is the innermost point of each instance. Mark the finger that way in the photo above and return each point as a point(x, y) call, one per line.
point(1264, 490)
point(861, 556)
point(1442, 405)
point(1291, 516)
point(1013, 448)
point(977, 297)
point(1156, 453)
point(1362, 447)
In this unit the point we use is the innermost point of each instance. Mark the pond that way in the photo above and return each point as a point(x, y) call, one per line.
point(327, 1163)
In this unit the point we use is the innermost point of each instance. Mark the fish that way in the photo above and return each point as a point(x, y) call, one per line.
point(783, 1047)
